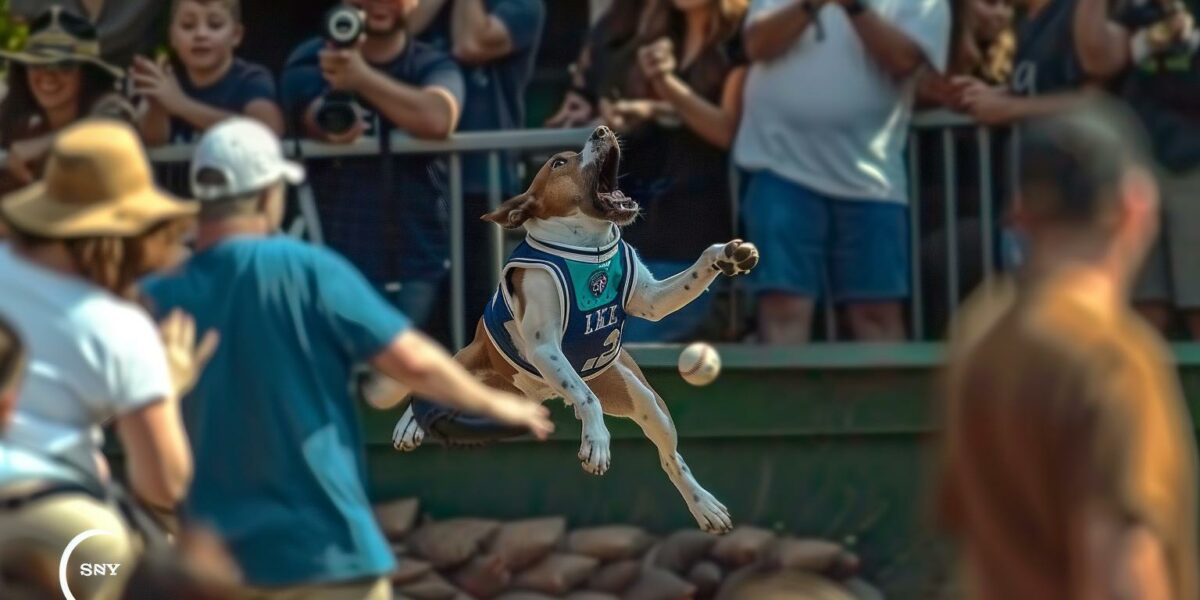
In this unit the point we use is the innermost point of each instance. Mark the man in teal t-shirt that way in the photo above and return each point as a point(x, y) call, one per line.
point(279, 452)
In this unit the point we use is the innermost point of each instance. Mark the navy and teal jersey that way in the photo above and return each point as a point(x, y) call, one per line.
point(594, 285)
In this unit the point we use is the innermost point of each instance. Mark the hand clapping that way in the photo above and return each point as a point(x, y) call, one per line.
point(157, 83)
point(657, 58)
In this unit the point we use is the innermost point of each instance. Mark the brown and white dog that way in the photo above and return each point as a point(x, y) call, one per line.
point(574, 201)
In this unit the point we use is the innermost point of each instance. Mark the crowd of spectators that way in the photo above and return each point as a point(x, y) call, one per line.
point(809, 102)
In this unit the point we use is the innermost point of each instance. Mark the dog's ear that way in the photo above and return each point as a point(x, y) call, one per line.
point(514, 212)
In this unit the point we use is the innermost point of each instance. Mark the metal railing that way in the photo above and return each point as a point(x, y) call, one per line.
point(953, 133)
point(950, 132)
point(494, 143)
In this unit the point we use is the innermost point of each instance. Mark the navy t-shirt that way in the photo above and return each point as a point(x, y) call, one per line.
point(1165, 93)
point(401, 237)
point(244, 83)
point(495, 90)
point(1045, 60)
point(279, 451)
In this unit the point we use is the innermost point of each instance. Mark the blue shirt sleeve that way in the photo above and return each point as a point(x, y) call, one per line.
point(436, 68)
point(522, 18)
point(301, 81)
point(360, 319)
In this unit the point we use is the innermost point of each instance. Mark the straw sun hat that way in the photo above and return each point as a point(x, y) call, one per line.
point(58, 37)
point(97, 183)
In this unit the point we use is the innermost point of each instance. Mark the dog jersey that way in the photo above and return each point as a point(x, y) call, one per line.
point(594, 285)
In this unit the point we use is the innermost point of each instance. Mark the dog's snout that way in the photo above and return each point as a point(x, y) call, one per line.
point(600, 133)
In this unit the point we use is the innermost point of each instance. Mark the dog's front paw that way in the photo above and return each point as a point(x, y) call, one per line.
point(595, 453)
point(407, 435)
point(710, 514)
point(736, 258)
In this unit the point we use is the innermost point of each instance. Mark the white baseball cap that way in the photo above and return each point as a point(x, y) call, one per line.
point(247, 156)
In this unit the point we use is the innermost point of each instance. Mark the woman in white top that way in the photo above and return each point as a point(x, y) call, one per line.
point(80, 239)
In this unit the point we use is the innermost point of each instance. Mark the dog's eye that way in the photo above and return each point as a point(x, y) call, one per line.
point(558, 162)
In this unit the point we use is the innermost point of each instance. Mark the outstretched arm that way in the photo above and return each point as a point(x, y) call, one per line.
point(654, 300)
point(429, 370)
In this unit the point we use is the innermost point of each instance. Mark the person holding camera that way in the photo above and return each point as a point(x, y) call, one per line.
point(296, 518)
point(206, 82)
point(495, 42)
point(390, 218)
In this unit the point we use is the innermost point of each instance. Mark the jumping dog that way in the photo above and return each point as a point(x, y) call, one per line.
point(553, 328)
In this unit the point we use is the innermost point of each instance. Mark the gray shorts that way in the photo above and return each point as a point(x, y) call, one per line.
point(1172, 270)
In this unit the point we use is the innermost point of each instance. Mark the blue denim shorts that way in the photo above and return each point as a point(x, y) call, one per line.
point(813, 244)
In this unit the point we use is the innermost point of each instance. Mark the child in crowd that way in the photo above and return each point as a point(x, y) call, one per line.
point(205, 83)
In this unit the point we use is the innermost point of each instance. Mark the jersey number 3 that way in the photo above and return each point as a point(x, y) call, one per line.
point(613, 345)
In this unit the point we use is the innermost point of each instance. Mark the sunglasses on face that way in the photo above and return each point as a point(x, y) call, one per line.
point(75, 25)
point(57, 68)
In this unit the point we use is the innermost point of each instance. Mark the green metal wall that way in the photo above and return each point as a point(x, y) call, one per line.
point(824, 441)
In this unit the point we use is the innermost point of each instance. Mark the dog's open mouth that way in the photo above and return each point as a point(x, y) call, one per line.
point(612, 202)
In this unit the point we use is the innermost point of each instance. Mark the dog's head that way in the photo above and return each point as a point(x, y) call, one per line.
point(574, 184)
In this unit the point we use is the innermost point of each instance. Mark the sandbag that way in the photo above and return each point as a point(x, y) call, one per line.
point(448, 544)
point(682, 549)
point(615, 577)
point(812, 555)
point(397, 517)
point(523, 543)
point(660, 584)
point(609, 542)
point(590, 595)
point(409, 570)
point(484, 576)
point(742, 546)
point(706, 576)
point(784, 585)
point(556, 574)
point(523, 595)
point(429, 587)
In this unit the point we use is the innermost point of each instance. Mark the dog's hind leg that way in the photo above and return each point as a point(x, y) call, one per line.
point(623, 391)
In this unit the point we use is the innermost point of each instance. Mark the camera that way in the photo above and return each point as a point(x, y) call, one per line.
point(339, 111)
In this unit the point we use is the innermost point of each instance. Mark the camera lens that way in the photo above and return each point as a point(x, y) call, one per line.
point(343, 25)
point(336, 114)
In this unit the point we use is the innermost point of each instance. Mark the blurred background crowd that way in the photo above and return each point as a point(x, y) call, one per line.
point(783, 121)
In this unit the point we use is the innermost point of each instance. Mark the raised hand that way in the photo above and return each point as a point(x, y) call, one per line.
point(185, 358)
point(657, 58)
point(157, 83)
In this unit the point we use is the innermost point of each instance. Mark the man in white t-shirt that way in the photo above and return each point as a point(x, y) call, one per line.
point(828, 104)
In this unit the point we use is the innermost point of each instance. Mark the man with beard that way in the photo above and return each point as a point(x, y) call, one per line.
point(394, 228)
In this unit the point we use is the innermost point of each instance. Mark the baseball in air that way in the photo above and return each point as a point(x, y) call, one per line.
point(699, 364)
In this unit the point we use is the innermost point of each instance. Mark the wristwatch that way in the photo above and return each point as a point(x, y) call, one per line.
point(854, 7)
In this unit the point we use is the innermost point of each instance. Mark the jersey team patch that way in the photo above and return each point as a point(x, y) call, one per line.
point(598, 282)
point(591, 282)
